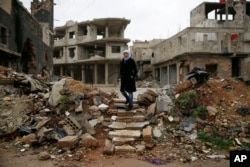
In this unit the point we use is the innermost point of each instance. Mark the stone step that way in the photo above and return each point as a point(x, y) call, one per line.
point(130, 125)
point(117, 100)
point(124, 149)
point(122, 105)
point(123, 140)
point(125, 133)
point(129, 118)
point(123, 112)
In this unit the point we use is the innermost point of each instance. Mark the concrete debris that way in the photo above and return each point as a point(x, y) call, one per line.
point(72, 116)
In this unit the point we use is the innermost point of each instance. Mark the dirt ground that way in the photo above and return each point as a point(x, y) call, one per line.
point(13, 158)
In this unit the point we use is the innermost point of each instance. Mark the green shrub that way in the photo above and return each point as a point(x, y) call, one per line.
point(200, 112)
point(217, 141)
point(187, 100)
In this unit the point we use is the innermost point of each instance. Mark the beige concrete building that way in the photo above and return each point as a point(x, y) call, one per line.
point(142, 53)
point(90, 51)
point(218, 40)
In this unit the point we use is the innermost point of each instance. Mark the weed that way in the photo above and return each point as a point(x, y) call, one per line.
point(218, 142)
point(200, 112)
point(63, 102)
point(187, 100)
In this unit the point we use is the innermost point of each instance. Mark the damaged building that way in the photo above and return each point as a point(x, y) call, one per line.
point(90, 51)
point(142, 51)
point(26, 38)
point(217, 40)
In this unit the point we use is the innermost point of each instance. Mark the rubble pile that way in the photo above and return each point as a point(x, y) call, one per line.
point(72, 119)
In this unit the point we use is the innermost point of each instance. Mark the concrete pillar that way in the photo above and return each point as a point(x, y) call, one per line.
point(61, 70)
point(95, 74)
point(106, 32)
point(178, 73)
point(106, 73)
point(83, 73)
point(122, 32)
point(71, 72)
point(168, 74)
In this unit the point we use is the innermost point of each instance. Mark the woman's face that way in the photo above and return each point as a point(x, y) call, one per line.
point(125, 55)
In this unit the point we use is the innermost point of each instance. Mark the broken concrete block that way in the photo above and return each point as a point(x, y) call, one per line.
point(103, 107)
point(147, 134)
point(70, 121)
point(108, 148)
point(89, 141)
point(140, 148)
point(55, 95)
point(157, 132)
point(94, 122)
point(97, 100)
point(93, 108)
point(163, 104)
point(79, 107)
point(151, 109)
point(68, 142)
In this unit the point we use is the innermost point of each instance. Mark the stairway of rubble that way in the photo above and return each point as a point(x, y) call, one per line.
point(125, 129)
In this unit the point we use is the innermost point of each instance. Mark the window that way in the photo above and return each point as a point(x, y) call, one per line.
point(72, 35)
point(3, 36)
point(116, 49)
point(71, 52)
point(57, 54)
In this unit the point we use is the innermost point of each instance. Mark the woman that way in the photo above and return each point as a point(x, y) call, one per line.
point(128, 74)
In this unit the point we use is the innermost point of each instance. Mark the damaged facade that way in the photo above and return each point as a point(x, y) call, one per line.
point(90, 51)
point(217, 40)
point(141, 52)
point(26, 39)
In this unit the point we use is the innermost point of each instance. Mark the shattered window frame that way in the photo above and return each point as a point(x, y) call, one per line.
point(71, 52)
point(72, 35)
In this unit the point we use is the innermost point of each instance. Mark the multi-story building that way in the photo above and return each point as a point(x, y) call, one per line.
point(90, 51)
point(26, 42)
point(217, 40)
point(142, 52)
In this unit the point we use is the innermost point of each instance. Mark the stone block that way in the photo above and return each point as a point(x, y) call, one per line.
point(124, 149)
point(122, 140)
point(109, 148)
point(68, 142)
point(147, 134)
point(125, 133)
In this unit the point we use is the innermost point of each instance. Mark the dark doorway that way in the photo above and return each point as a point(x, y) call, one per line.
point(235, 67)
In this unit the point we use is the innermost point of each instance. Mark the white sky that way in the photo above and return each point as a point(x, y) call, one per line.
point(150, 19)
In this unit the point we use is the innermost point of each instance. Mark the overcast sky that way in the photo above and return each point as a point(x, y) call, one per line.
point(150, 19)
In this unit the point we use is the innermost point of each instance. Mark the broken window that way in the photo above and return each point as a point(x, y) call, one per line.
point(72, 35)
point(3, 36)
point(116, 49)
point(57, 54)
point(82, 30)
point(71, 52)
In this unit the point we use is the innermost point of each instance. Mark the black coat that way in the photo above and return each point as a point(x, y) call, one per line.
point(128, 74)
